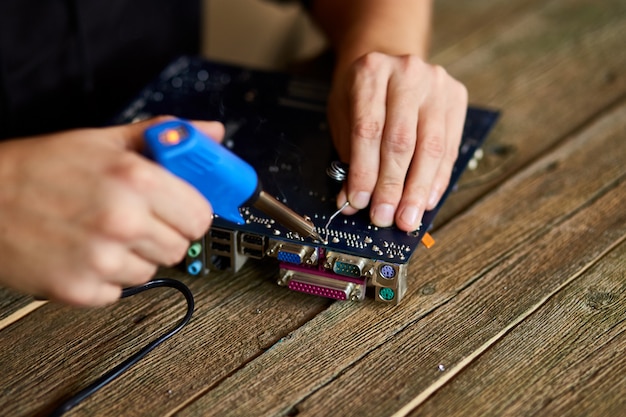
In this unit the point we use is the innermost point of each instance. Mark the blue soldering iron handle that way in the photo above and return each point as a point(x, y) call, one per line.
point(224, 179)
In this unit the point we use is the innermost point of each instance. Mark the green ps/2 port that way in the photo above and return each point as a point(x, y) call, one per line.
point(386, 294)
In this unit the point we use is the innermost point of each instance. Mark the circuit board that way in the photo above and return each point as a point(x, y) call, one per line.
point(277, 123)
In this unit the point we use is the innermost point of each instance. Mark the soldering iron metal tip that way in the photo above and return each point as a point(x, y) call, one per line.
point(285, 216)
point(318, 237)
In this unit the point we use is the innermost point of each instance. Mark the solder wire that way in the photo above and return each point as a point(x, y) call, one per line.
point(330, 219)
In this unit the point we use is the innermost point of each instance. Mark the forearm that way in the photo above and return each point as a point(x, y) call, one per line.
point(393, 116)
point(357, 27)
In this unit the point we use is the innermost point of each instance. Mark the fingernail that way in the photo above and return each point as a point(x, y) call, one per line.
point(409, 216)
point(382, 215)
point(360, 200)
point(433, 199)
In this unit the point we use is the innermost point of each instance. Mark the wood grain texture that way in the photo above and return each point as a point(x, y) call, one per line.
point(252, 348)
point(567, 359)
point(20, 313)
point(491, 265)
point(10, 302)
point(455, 21)
point(550, 71)
point(62, 349)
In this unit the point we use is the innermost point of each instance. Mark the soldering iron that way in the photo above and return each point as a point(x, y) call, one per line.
point(225, 180)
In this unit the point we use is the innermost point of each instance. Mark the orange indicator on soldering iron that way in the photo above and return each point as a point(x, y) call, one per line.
point(172, 136)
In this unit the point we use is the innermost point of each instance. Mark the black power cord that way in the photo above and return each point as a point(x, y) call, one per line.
point(122, 367)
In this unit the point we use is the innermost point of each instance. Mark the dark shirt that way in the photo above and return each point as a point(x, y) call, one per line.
point(73, 63)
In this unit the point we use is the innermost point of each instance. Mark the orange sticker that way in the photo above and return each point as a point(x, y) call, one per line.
point(427, 240)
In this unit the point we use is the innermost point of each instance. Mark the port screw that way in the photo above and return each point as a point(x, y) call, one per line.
point(282, 279)
point(328, 263)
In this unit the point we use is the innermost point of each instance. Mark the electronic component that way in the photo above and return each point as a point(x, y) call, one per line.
point(194, 261)
point(294, 253)
point(325, 287)
point(277, 124)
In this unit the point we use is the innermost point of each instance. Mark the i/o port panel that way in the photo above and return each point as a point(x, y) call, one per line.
point(221, 250)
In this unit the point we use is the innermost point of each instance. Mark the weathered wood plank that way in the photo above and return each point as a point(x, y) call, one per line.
point(10, 302)
point(568, 358)
point(550, 72)
point(27, 308)
point(233, 322)
point(221, 321)
point(492, 264)
point(454, 21)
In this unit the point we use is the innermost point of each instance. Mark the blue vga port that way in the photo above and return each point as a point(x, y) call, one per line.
point(294, 253)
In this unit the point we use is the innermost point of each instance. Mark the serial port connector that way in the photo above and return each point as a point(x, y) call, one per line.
point(348, 265)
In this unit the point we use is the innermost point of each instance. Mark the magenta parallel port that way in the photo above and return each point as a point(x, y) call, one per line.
point(320, 272)
point(324, 287)
point(318, 290)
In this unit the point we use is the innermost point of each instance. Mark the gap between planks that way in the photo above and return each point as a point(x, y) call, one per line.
point(22, 312)
point(430, 390)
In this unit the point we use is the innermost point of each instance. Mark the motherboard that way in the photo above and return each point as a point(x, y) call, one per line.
point(277, 123)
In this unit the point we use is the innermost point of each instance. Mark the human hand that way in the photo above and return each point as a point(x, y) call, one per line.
point(83, 214)
point(397, 121)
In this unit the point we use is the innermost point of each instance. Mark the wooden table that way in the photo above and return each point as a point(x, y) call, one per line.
point(519, 309)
